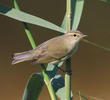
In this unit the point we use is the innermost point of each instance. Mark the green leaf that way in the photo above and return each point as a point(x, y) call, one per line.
point(64, 22)
point(53, 70)
point(34, 87)
point(58, 84)
point(77, 8)
point(25, 17)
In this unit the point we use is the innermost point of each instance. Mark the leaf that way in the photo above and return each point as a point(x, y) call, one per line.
point(64, 22)
point(77, 8)
point(25, 17)
point(58, 84)
point(34, 87)
point(53, 70)
point(36, 82)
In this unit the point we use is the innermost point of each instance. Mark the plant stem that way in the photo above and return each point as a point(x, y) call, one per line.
point(68, 61)
point(80, 96)
point(68, 10)
point(48, 83)
point(96, 45)
point(26, 28)
point(33, 44)
point(68, 79)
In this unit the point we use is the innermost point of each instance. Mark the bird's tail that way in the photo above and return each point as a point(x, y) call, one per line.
point(20, 57)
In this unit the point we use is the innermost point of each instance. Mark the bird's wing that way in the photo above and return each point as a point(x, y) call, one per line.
point(41, 54)
point(41, 49)
point(57, 48)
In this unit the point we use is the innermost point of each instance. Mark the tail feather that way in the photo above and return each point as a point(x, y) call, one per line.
point(20, 57)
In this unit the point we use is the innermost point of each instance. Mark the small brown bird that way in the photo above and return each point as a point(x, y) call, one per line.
point(52, 51)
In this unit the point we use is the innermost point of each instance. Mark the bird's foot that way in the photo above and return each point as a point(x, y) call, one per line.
point(68, 72)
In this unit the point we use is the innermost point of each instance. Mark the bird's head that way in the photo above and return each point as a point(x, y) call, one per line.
point(76, 35)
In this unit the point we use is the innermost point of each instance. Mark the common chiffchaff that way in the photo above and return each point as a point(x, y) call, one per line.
point(52, 51)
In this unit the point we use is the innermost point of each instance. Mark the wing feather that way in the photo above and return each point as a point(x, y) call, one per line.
point(57, 48)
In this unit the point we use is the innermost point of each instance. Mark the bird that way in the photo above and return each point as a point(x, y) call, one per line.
point(53, 50)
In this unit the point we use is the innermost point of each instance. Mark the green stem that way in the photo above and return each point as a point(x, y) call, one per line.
point(68, 61)
point(26, 28)
point(48, 83)
point(68, 10)
point(29, 35)
point(68, 79)
point(80, 96)
point(32, 42)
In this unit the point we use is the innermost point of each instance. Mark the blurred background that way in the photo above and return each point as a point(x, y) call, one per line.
point(90, 65)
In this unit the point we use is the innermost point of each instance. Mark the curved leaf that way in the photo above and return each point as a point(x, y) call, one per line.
point(64, 22)
point(33, 88)
point(58, 84)
point(77, 8)
point(25, 17)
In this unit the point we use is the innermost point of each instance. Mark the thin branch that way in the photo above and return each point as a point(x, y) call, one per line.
point(68, 61)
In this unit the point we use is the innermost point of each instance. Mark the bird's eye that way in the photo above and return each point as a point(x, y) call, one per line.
point(74, 35)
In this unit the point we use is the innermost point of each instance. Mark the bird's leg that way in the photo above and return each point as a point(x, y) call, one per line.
point(60, 60)
point(68, 72)
point(65, 72)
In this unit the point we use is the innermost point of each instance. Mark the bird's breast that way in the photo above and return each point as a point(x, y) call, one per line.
point(71, 46)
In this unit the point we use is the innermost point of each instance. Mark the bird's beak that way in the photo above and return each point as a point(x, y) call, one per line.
point(84, 35)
